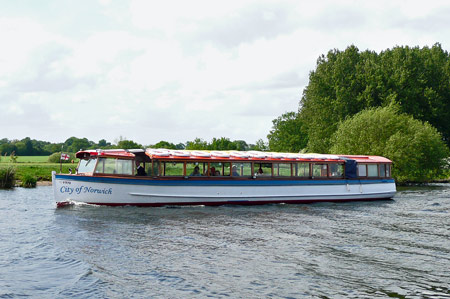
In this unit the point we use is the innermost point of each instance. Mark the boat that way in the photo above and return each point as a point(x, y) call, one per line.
point(182, 177)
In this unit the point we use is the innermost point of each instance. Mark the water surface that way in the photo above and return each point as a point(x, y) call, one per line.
point(398, 248)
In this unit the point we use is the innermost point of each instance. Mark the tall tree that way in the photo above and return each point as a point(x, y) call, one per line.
point(346, 82)
point(288, 134)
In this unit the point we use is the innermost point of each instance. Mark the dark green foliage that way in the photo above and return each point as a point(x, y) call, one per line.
point(220, 144)
point(74, 144)
point(164, 144)
point(260, 145)
point(416, 148)
point(128, 144)
point(7, 177)
point(197, 144)
point(346, 82)
point(288, 134)
point(29, 181)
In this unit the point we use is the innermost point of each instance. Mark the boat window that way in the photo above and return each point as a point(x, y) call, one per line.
point(388, 170)
point(382, 170)
point(196, 169)
point(124, 166)
point(220, 169)
point(114, 166)
point(263, 169)
point(155, 170)
point(362, 169)
point(226, 169)
point(242, 169)
point(282, 169)
point(320, 170)
point(302, 169)
point(372, 170)
point(87, 165)
point(336, 170)
point(173, 169)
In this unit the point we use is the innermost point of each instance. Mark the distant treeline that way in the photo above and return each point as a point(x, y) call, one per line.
point(33, 147)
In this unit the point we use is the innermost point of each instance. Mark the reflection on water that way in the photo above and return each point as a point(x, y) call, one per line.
point(397, 248)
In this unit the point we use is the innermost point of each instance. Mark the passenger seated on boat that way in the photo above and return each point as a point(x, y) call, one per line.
point(217, 173)
point(213, 171)
point(260, 171)
point(140, 171)
point(196, 172)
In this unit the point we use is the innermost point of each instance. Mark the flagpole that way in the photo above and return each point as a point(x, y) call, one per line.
point(60, 160)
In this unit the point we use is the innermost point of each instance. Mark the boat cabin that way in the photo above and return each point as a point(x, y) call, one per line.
point(167, 164)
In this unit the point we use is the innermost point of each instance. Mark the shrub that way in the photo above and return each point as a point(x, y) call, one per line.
point(28, 181)
point(55, 158)
point(7, 177)
point(415, 148)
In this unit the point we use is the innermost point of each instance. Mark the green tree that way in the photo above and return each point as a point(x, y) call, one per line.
point(415, 147)
point(8, 147)
point(74, 144)
point(260, 145)
point(197, 144)
point(240, 145)
point(164, 144)
point(346, 82)
point(102, 143)
point(222, 143)
point(288, 133)
point(180, 146)
point(128, 144)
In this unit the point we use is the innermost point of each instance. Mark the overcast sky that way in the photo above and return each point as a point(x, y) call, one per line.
point(176, 70)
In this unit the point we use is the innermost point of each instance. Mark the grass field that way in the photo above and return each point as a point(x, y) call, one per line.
point(36, 166)
point(25, 159)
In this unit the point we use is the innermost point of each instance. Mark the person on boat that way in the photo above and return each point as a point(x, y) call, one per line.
point(213, 171)
point(260, 171)
point(196, 172)
point(235, 173)
point(140, 171)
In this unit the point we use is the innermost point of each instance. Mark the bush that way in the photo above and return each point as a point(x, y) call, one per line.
point(415, 148)
point(29, 181)
point(55, 158)
point(7, 177)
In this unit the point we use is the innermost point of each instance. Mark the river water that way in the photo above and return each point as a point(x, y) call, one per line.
point(398, 248)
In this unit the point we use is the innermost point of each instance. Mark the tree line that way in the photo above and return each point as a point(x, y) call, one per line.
point(33, 147)
point(395, 104)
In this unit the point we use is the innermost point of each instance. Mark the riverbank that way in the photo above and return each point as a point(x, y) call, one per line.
point(42, 171)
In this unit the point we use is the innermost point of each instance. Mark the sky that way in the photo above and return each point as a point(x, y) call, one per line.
point(173, 70)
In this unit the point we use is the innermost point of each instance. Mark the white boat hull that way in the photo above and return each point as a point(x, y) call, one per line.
point(145, 192)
